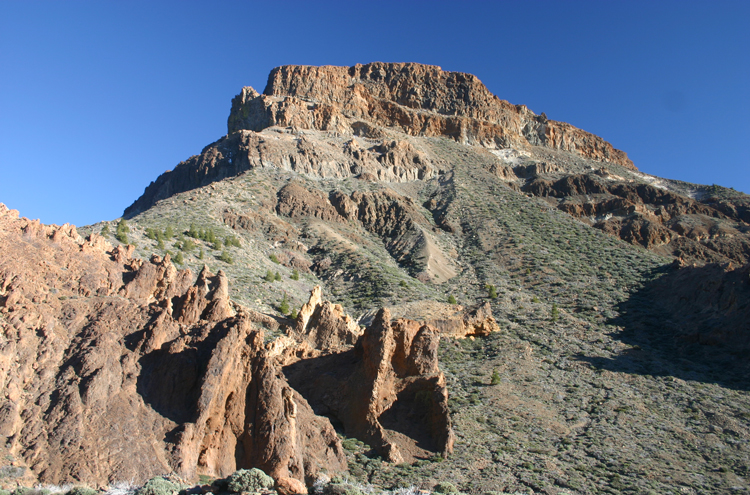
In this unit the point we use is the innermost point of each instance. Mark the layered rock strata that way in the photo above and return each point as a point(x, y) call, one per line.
point(358, 109)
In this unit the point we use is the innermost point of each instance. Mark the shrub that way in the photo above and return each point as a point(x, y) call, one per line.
point(403, 284)
point(452, 300)
point(159, 486)
point(491, 291)
point(495, 378)
point(277, 276)
point(81, 490)
point(200, 255)
point(169, 232)
point(179, 259)
point(249, 480)
point(15, 471)
point(341, 489)
point(274, 259)
point(294, 314)
point(122, 231)
point(295, 275)
point(216, 244)
point(226, 258)
point(269, 276)
point(284, 306)
point(105, 230)
point(230, 241)
point(445, 487)
point(21, 490)
point(555, 313)
point(160, 244)
point(350, 444)
point(187, 245)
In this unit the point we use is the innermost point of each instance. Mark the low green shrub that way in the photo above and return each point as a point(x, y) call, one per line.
point(248, 480)
point(495, 378)
point(159, 486)
point(445, 487)
point(81, 490)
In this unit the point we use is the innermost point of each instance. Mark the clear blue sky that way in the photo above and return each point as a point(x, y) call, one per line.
point(98, 98)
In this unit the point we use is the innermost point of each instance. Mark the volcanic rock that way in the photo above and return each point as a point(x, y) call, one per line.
point(387, 391)
point(113, 368)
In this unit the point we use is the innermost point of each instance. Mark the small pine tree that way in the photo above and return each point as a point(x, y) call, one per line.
point(555, 313)
point(179, 259)
point(294, 314)
point(105, 230)
point(277, 276)
point(226, 258)
point(491, 291)
point(168, 232)
point(452, 300)
point(200, 255)
point(192, 232)
point(274, 259)
point(403, 284)
point(284, 306)
point(269, 276)
point(495, 378)
point(295, 275)
point(160, 244)
point(216, 244)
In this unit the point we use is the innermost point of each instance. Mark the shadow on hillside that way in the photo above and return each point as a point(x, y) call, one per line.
point(675, 334)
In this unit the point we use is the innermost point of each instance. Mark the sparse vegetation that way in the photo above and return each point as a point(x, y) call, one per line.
point(226, 257)
point(294, 275)
point(122, 231)
point(284, 306)
point(452, 299)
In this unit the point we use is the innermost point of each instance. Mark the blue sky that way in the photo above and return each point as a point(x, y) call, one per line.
point(98, 98)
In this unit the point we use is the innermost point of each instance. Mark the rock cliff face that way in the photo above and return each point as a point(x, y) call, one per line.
point(114, 368)
point(360, 106)
point(386, 391)
point(418, 99)
point(699, 230)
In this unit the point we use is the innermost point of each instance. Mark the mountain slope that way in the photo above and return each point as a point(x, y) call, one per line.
point(405, 186)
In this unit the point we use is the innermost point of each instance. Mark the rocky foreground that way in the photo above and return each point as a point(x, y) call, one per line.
point(115, 368)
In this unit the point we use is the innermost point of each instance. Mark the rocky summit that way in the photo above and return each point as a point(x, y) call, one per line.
point(384, 276)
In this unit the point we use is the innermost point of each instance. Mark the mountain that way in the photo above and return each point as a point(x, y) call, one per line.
point(553, 318)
